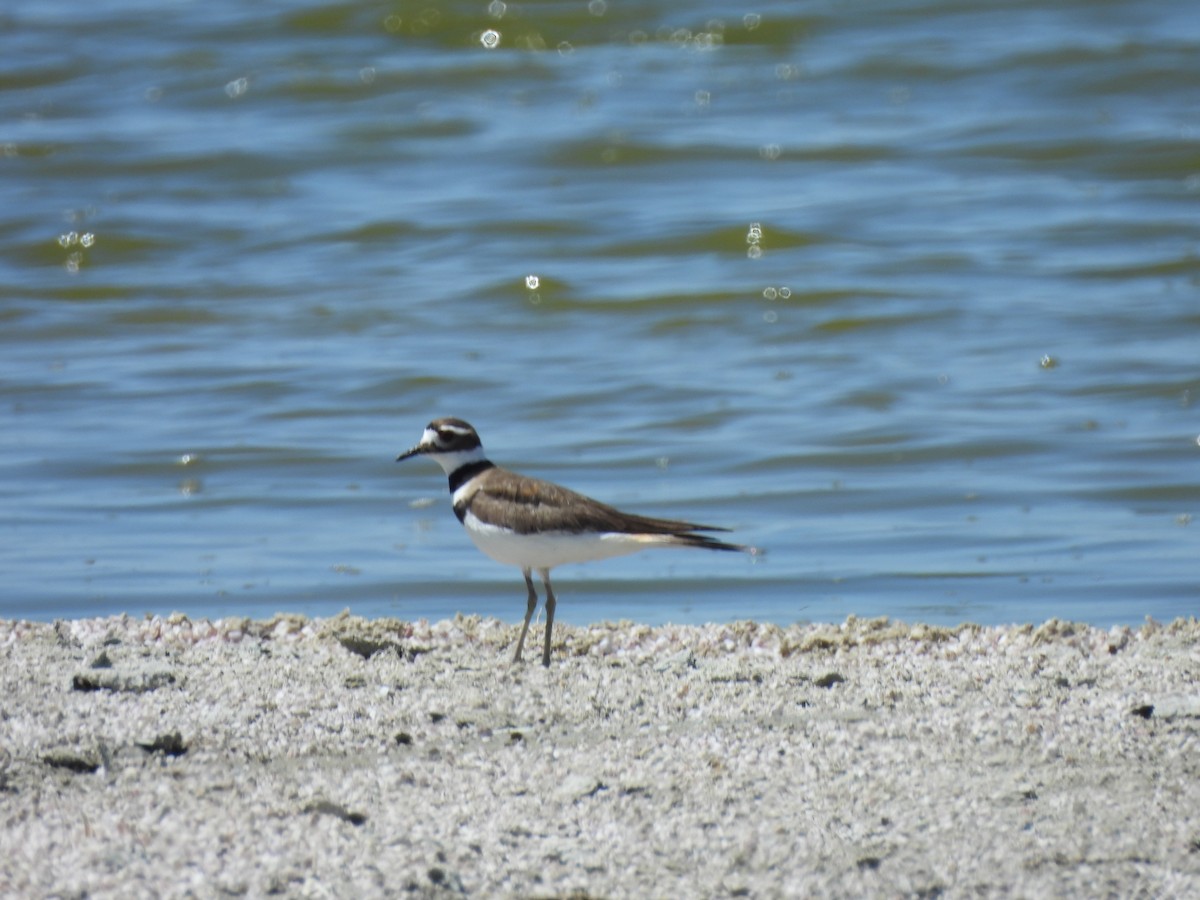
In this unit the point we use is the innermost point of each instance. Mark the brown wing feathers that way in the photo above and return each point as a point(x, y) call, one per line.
point(545, 506)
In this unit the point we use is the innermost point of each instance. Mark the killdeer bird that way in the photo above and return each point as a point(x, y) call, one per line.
point(534, 524)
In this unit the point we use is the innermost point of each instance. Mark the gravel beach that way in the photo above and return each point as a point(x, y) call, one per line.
point(343, 757)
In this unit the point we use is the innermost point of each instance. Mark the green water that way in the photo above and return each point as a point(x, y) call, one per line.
point(906, 294)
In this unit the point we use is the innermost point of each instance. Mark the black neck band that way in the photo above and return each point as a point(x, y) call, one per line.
point(463, 474)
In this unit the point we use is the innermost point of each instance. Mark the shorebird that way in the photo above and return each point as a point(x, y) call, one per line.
point(534, 524)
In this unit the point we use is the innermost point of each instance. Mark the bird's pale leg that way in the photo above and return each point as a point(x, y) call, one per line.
point(529, 608)
point(550, 604)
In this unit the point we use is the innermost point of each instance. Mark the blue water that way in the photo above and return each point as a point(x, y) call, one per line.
point(909, 296)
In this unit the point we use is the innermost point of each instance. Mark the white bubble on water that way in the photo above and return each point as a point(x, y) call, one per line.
point(490, 39)
point(237, 88)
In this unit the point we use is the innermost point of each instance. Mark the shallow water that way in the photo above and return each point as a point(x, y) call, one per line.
point(908, 297)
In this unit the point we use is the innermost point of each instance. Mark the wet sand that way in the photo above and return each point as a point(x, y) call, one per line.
point(341, 757)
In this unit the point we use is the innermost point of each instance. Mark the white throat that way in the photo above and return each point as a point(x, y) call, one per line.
point(452, 461)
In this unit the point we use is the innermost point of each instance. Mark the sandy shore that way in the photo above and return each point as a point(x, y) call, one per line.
point(351, 758)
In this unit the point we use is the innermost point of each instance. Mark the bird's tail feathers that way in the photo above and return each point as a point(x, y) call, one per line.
point(704, 542)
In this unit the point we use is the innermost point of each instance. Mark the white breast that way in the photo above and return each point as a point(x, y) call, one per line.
point(544, 551)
